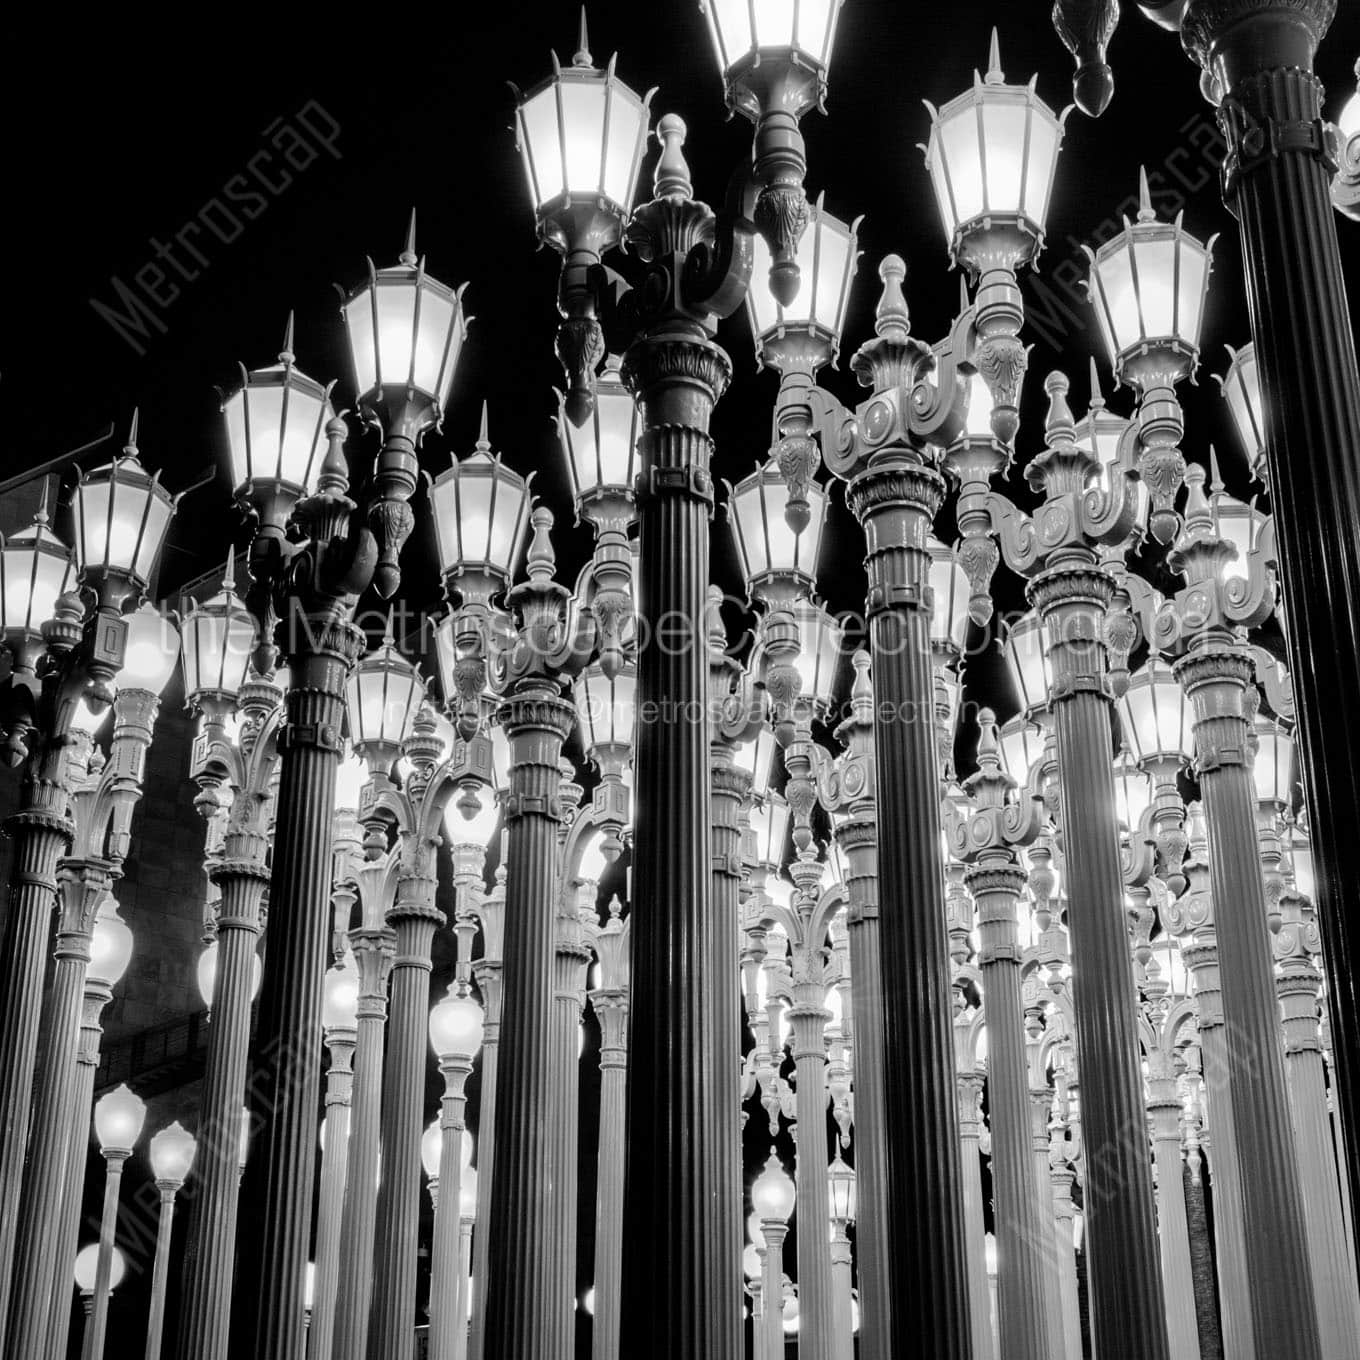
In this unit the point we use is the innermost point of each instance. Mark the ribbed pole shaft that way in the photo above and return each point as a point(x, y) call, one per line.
point(460, 1316)
point(1172, 1231)
point(1040, 1104)
point(1328, 1247)
point(772, 1289)
point(1024, 1228)
point(160, 1270)
point(276, 1192)
point(528, 1297)
point(445, 1281)
point(1278, 175)
point(97, 996)
point(816, 1302)
point(1229, 1242)
point(87, 1307)
point(611, 1009)
point(488, 974)
point(331, 1201)
point(108, 1226)
point(373, 948)
point(682, 1209)
point(1342, 1174)
point(570, 961)
point(1201, 1260)
point(391, 1328)
point(39, 834)
point(1284, 1314)
point(82, 886)
point(215, 1176)
point(842, 1270)
point(970, 1117)
point(858, 837)
point(1128, 1316)
point(1064, 1216)
point(895, 501)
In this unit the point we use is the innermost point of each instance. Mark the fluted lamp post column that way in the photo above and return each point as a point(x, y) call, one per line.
point(987, 841)
point(1057, 550)
point(1228, 590)
point(339, 1019)
point(118, 1120)
point(456, 1025)
point(121, 515)
point(172, 1153)
point(609, 997)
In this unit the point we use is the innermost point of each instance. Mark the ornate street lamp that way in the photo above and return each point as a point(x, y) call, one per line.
point(992, 156)
point(172, 1153)
point(118, 1120)
point(582, 134)
point(1241, 389)
point(218, 640)
point(774, 61)
point(772, 1200)
point(1149, 285)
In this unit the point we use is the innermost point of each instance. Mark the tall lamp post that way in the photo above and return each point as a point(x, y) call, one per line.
point(1057, 550)
point(118, 1120)
point(172, 1153)
point(772, 1200)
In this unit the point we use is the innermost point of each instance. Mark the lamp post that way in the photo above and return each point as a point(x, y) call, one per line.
point(987, 842)
point(102, 801)
point(609, 998)
point(772, 1199)
point(339, 1018)
point(118, 1120)
point(1202, 623)
point(172, 1153)
point(456, 1025)
point(121, 517)
point(110, 953)
point(1057, 550)
point(86, 1264)
point(236, 776)
point(841, 1190)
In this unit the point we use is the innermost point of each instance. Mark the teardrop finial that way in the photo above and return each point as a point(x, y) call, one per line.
point(994, 75)
point(989, 743)
point(1059, 426)
point(334, 474)
point(286, 353)
point(483, 435)
point(1097, 402)
point(892, 320)
point(1145, 212)
point(408, 256)
point(582, 57)
point(130, 448)
point(542, 561)
point(863, 685)
point(615, 908)
point(672, 179)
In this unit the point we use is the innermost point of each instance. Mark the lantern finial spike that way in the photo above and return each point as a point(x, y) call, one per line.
point(542, 561)
point(229, 571)
point(483, 435)
point(1215, 480)
point(1145, 212)
point(582, 57)
point(408, 256)
point(672, 178)
point(41, 516)
point(892, 320)
point(286, 353)
point(130, 448)
point(1097, 402)
point(994, 74)
point(388, 639)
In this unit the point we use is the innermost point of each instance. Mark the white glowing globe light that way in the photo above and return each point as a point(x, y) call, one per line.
point(118, 1119)
point(172, 1152)
point(207, 974)
point(340, 995)
point(754, 1230)
point(588, 1302)
point(467, 1194)
point(456, 1027)
point(751, 1264)
point(430, 1143)
point(477, 829)
point(87, 1264)
point(350, 777)
point(772, 1193)
point(152, 651)
point(110, 945)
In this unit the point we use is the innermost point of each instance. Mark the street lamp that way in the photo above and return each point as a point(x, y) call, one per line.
point(1241, 389)
point(172, 1153)
point(118, 1120)
point(1149, 285)
point(85, 1270)
point(772, 1199)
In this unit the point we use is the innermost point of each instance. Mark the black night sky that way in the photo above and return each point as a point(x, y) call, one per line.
point(282, 147)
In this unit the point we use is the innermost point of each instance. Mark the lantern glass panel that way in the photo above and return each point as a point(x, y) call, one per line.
point(756, 757)
point(949, 581)
point(1132, 793)
point(1241, 387)
point(121, 517)
point(1240, 525)
point(35, 568)
point(276, 429)
point(741, 27)
point(481, 514)
point(770, 825)
point(1021, 744)
point(1156, 716)
point(1273, 767)
point(826, 258)
point(820, 639)
point(152, 651)
point(1026, 654)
